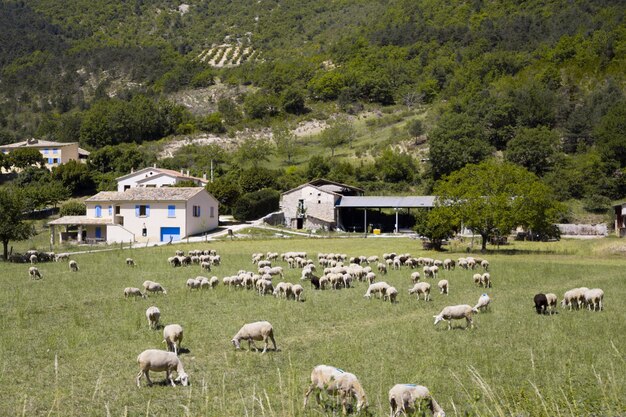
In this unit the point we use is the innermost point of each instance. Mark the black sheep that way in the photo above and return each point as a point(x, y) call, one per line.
point(541, 303)
point(315, 282)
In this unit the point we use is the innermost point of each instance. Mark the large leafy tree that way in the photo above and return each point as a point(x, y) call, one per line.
point(534, 148)
point(12, 224)
point(25, 157)
point(338, 133)
point(493, 197)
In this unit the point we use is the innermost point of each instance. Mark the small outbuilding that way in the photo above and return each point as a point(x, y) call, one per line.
point(620, 219)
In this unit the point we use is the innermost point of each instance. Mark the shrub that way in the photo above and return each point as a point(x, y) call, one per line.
point(73, 208)
point(257, 204)
point(597, 203)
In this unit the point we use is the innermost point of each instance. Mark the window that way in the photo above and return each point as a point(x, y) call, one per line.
point(45, 151)
point(142, 210)
point(196, 211)
point(50, 161)
point(110, 210)
point(126, 187)
point(212, 212)
point(171, 211)
point(98, 211)
point(55, 151)
point(117, 209)
point(55, 160)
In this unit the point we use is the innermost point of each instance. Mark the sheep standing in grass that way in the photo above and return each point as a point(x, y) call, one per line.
point(541, 303)
point(408, 398)
point(390, 294)
point(161, 361)
point(336, 382)
point(376, 288)
point(448, 264)
point(593, 298)
point(153, 287)
point(483, 302)
point(462, 311)
point(415, 277)
point(574, 296)
point(73, 266)
point(421, 288)
point(382, 268)
point(153, 314)
point(443, 286)
point(33, 259)
point(133, 292)
point(485, 280)
point(477, 278)
point(552, 301)
point(297, 291)
point(485, 264)
point(34, 273)
point(130, 262)
point(260, 330)
point(173, 337)
point(194, 284)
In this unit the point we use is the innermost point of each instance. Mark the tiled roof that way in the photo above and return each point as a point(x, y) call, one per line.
point(36, 143)
point(170, 172)
point(75, 220)
point(148, 194)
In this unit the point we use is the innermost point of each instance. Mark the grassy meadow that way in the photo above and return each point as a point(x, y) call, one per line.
point(69, 342)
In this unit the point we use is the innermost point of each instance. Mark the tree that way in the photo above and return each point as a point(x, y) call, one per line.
point(293, 101)
point(395, 167)
point(611, 134)
point(253, 151)
point(338, 133)
point(75, 176)
point(254, 179)
point(12, 224)
point(254, 205)
point(226, 191)
point(437, 225)
point(534, 148)
point(415, 128)
point(25, 157)
point(318, 167)
point(492, 197)
point(286, 143)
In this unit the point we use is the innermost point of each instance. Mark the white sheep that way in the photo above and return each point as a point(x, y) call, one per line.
point(336, 382)
point(485, 264)
point(153, 314)
point(133, 292)
point(448, 264)
point(462, 311)
point(593, 298)
point(194, 284)
point(130, 262)
point(415, 277)
point(297, 291)
point(485, 280)
point(477, 278)
point(390, 294)
point(33, 259)
point(161, 361)
point(552, 301)
point(370, 277)
point(421, 288)
point(408, 398)
point(150, 286)
point(34, 273)
point(73, 266)
point(382, 268)
point(173, 337)
point(206, 266)
point(283, 290)
point(376, 288)
point(214, 281)
point(264, 286)
point(483, 302)
point(575, 295)
point(260, 330)
point(61, 257)
point(443, 286)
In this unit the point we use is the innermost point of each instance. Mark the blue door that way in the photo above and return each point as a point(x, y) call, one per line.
point(98, 232)
point(170, 234)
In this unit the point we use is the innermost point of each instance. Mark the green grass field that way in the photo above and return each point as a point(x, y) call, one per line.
point(69, 342)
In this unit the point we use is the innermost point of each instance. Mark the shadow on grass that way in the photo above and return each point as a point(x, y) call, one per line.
point(183, 351)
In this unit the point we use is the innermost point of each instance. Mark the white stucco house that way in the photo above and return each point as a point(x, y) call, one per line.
point(54, 153)
point(141, 214)
point(156, 177)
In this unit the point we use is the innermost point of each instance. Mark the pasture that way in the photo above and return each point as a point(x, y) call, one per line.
point(70, 341)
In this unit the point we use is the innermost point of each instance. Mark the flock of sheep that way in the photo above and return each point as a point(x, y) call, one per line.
point(337, 271)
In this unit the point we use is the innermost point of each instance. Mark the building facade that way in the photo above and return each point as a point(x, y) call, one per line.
point(156, 177)
point(54, 153)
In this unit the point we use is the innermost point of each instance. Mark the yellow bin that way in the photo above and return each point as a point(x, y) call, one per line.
point(376, 231)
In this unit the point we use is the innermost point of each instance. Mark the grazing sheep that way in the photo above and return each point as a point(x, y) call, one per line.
point(336, 382)
point(283, 289)
point(161, 361)
point(154, 287)
point(477, 278)
point(408, 398)
point(382, 268)
point(34, 273)
point(443, 286)
point(575, 295)
point(552, 301)
point(593, 298)
point(61, 257)
point(415, 277)
point(174, 261)
point(485, 280)
point(153, 314)
point(173, 337)
point(33, 259)
point(133, 292)
point(73, 266)
point(194, 284)
point(264, 286)
point(463, 263)
point(421, 288)
point(541, 303)
point(485, 264)
point(130, 262)
point(483, 302)
point(448, 264)
point(260, 330)
point(206, 266)
point(370, 277)
point(296, 291)
point(376, 288)
point(462, 311)
point(390, 294)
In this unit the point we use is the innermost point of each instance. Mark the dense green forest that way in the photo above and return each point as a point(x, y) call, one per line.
point(409, 90)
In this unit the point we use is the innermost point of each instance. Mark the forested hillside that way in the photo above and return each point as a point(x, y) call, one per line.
point(400, 93)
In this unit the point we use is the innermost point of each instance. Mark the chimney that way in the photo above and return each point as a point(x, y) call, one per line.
point(187, 172)
point(154, 165)
point(204, 176)
point(181, 172)
point(132, 169)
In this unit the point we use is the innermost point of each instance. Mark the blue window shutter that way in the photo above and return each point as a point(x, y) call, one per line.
point(171, 211)
point(98, 211)
point(50, 161)
point(110, 210)
point(198, 211)
point(137, 210)
point(147, 210)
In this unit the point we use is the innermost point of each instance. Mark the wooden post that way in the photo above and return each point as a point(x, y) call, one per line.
point(365, 222)
point(397, 226)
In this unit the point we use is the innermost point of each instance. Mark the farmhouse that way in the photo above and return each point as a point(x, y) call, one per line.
point(55, 153)
point(620, 219)
point(156, 177)
point(140, 215)
point(330, 205)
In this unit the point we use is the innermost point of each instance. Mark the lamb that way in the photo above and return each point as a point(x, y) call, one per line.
point(335, 382)
point(593, 298)
point(155, 287)
point(485, 280)
point(552, 301)
point(260, 330)
point(483, 302)
point(34, 273)
point(159, 361)
point(296, 291)
point(421, 288)
point(173, 337)
point(370, 277)
point(130, 262)
point(153, 314)
point(541, 303)
point(407, 399)
point(133, 292)
point(456, 312)
point(382, 268)
point(390, 294)
point(376, 288)
point(73, 266)
point(443, 286)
